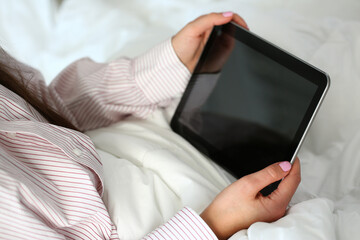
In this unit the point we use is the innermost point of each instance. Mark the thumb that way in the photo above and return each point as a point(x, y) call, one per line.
point(268, 175)
point(206, 22)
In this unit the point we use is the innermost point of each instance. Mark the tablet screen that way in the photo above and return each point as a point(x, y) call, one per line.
point(243, 107)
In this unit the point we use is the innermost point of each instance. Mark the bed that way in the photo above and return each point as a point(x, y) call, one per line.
point(145, 158)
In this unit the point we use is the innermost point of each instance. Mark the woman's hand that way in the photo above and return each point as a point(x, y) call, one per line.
point(241, 204)
point(189, 42)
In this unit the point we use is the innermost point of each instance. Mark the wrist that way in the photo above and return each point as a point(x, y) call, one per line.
point(212, 221)
point(188, 50)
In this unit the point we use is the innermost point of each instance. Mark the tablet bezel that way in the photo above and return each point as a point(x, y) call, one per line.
point(291, 62)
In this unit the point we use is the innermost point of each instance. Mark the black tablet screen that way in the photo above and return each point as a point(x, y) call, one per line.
point(243, 107)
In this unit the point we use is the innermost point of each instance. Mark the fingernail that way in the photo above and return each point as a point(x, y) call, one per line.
point(227, 14)
point(285, 166)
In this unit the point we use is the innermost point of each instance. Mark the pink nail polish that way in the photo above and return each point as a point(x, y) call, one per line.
point(285, 166)
point(227, 14)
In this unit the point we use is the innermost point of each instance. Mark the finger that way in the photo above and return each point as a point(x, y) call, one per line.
point(240, 21)
point(206, 37)
point(266, 176)
point(288, 186)
point(206, 22)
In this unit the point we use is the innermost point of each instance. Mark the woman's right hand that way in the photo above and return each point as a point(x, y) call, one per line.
point(241, 204)
point(189, 42)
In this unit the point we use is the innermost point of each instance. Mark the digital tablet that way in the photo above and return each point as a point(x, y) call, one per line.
point(248, 103)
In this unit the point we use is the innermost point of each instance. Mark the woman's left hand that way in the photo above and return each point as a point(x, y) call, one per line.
point(241, 203)
point(189, 42)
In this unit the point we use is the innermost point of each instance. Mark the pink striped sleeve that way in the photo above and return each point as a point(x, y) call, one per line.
point(93, 95)
point(186, 224)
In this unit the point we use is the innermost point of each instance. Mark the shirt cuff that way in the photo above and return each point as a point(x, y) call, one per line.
point(186, 224)
point(160, 74)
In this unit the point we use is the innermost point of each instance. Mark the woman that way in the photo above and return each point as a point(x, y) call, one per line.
point(50, 174)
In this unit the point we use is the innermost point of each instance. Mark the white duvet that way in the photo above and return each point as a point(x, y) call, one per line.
point(150, 172)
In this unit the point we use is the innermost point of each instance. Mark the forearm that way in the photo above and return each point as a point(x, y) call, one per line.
point(100, 94)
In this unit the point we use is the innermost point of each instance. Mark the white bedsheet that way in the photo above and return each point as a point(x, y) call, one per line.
point(150, 171)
